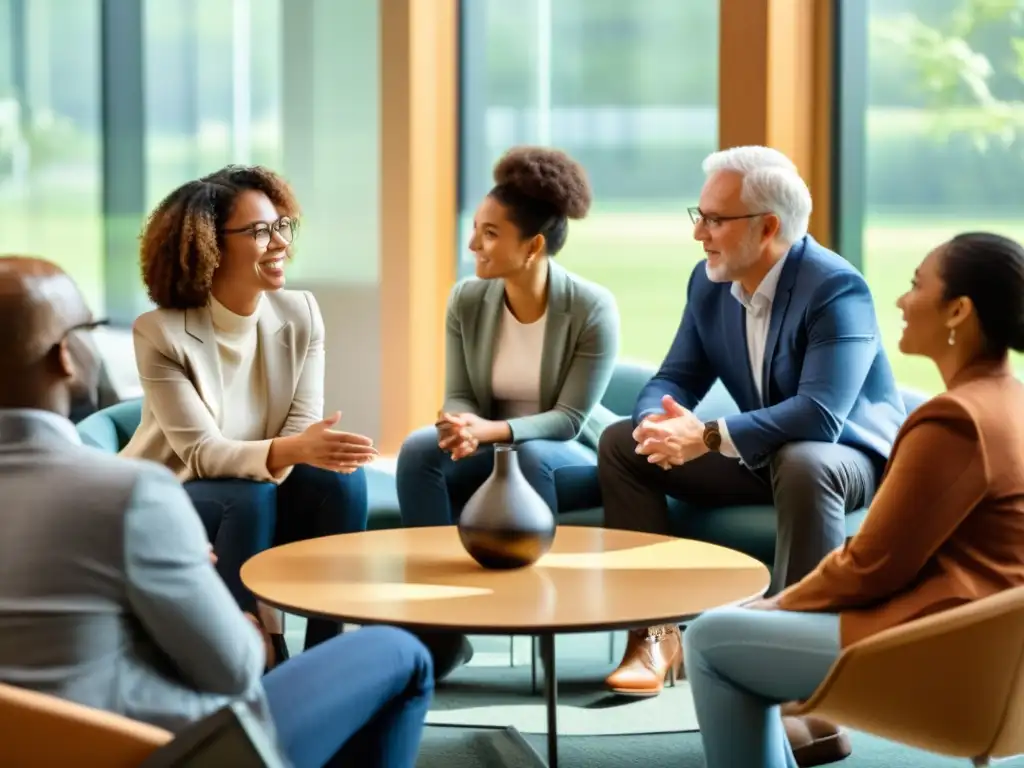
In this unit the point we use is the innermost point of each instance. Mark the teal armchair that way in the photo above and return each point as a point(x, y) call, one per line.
point(111, 428)
point(747, 528)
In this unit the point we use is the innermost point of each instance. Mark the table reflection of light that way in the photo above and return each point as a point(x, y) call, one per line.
point(680, 554)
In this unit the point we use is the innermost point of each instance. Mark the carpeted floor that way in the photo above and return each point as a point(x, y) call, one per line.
point(453, 748)
point(491, 690)
point(498, 695)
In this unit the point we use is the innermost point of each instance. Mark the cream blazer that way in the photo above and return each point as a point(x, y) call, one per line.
point(183, 405)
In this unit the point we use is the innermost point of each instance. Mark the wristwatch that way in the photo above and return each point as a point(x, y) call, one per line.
point(712, 436)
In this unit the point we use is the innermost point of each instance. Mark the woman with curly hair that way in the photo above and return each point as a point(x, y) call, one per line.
point(232, 370)
point(530, 350)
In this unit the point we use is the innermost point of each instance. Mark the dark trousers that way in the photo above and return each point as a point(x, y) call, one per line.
point(812, 486)
point(244, 517)
point(359, 699)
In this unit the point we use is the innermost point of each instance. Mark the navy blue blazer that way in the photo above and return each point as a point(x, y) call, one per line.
point(826, 377)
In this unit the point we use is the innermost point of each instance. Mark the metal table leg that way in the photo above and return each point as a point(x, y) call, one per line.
point(515, 743)
point(547, 653)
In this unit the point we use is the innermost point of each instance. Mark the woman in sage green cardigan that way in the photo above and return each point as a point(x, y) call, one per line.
point(530, 347)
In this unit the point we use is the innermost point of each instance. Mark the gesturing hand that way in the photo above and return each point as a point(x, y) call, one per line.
point(336, 451)
point(670, 438)
point(455, 433)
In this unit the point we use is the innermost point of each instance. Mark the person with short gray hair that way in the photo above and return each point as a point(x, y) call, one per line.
point(789, 328)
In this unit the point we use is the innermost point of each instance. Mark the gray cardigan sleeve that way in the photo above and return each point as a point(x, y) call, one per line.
point(458, 393)
point(590, 369)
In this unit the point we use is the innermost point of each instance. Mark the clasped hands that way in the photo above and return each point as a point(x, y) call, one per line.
point(670, 438)
point(458, 433)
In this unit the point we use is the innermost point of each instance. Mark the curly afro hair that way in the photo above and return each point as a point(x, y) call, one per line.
point(542, 188)
point(182, 240)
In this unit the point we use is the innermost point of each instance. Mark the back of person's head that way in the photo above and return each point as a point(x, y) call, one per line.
point(771, 184)
point(183, 239)
point(988, 269)
point(541, 190)
point(45, 352)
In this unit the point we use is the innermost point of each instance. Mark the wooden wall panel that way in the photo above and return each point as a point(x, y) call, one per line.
point(775, 87)
point(419, 175)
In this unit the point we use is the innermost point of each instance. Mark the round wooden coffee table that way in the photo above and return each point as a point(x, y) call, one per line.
point(592, 580)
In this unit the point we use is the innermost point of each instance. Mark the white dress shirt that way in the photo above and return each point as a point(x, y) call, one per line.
point(758, 318)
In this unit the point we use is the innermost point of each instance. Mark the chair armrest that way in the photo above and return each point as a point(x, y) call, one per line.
point(46, 730)
point(942, 683)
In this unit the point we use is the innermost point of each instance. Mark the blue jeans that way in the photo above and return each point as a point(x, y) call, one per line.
point(741, 665)
point(245, 517)
point(433, 489)
point(357, 700)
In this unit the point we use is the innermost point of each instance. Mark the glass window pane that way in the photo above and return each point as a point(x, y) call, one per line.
point(945, 141)
point(213, 79)
point(50, 112)
point(628, 89)
point(187, 47)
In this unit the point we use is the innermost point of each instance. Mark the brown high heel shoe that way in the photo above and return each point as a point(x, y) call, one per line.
point(652, 655)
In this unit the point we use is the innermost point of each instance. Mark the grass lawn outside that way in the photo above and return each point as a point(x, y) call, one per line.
point(646, 259)
point(644, 256)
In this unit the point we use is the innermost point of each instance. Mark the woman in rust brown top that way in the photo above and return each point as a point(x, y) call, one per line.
point(945, 528)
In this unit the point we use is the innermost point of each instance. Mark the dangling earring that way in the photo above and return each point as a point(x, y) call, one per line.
point(952, 336)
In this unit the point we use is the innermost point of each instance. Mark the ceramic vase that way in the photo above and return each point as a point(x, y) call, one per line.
point(506, 523)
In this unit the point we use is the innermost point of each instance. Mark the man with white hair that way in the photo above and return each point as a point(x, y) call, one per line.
point(790, 329)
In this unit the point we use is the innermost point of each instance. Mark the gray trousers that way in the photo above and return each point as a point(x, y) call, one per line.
point(812, 486)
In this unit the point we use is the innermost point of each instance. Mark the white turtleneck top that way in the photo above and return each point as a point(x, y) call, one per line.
point(243, 384)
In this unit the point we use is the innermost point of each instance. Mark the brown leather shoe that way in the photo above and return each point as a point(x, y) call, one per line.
point(816, 741)
point(652, 654)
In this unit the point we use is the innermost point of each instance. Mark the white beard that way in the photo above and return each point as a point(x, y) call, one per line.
point(718, 273)
point(737, 262)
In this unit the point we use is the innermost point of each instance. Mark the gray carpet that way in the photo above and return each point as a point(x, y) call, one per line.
point(452, 748)
point(491, 692)
point(491, 684)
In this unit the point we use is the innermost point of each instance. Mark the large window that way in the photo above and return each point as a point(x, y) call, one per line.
point(628, 89)
point(944, 147)
point(212, 95)
point(212, 86)
point(50, 191)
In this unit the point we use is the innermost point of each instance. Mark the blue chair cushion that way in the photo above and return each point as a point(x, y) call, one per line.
point(112, 428)
point(625, 385)
point(748, 528)
point(383, 496)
